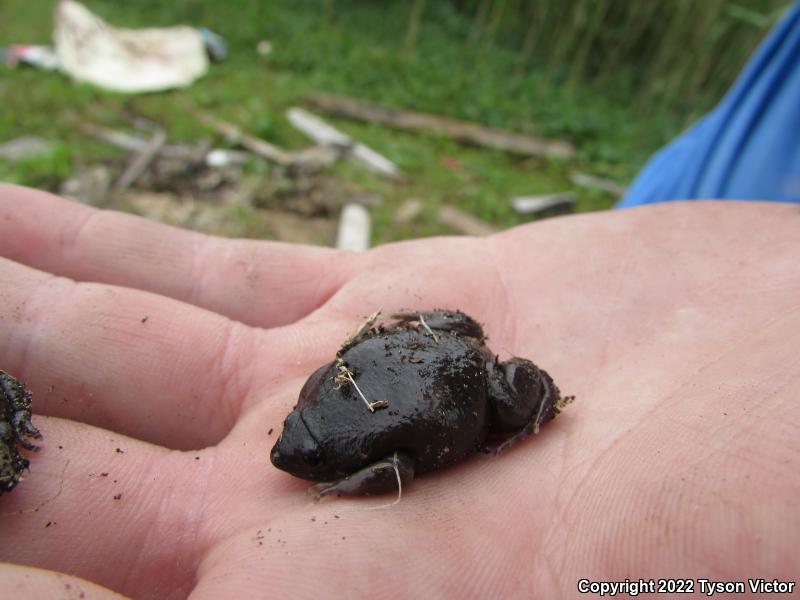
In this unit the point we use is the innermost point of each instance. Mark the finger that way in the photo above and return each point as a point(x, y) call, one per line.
point(256, 282)
point(38, 584)
point(126, 360)
point(134, 517)
point(147, 366)
point(109, 509)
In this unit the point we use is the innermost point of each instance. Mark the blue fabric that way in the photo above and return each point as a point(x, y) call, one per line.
point(748, 147)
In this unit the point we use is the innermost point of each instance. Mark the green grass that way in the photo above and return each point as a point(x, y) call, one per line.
point(355, 49)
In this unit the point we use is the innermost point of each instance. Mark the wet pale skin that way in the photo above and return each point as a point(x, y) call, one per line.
point(421, 395)
point(677, 326)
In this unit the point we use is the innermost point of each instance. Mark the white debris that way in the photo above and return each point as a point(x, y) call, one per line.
point(264, 47)
point(42, 57)
point(126, 60)
point(325, 134)
point(225, 158)
point(24, 147)
point(354, 228)
point(534, 204)
point(598, 183)
point(408, 211)
point(317, 129)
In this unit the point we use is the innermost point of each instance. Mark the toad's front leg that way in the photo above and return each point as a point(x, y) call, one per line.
point(387, 475)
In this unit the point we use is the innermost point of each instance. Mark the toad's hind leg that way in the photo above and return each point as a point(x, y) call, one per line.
point(387, 475)
point(522, 397)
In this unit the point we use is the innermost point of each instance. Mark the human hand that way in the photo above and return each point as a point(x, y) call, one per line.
point(160, 359)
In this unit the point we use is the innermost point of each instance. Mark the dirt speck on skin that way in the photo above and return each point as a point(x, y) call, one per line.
point(144, 319)
point(117, 496)
point(270, 431)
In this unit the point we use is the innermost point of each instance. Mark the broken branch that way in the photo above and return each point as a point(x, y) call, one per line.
point(462, 131)
point(325, 134)
point(464, 222)
point(142, 160)
point(309, 159)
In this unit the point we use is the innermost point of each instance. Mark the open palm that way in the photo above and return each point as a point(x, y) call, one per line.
point(163, 363)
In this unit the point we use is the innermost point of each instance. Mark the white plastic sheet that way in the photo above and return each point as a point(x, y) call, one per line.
point(126, 60)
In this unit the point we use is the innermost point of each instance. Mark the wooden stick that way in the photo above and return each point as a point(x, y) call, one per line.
point(534, 204)
point(114, 137)
point(310, 159)
point(464, 222)
point(135, 143)
point(598, 183)
point(462, 131)
point(252, 143)
point(326, 134)
point(317, 129)
point(142, 160)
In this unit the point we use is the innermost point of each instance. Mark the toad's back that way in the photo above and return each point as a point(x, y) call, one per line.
point(437, 401)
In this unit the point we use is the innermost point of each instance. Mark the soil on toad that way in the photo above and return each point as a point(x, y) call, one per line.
point(16, 430)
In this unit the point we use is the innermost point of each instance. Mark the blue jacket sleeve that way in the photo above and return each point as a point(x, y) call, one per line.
point(748, 147)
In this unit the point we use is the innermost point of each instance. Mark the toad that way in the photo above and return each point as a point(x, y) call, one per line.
point(407, 399)
point(16, 429)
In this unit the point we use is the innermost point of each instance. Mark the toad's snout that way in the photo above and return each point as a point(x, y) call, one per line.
point(296, 451)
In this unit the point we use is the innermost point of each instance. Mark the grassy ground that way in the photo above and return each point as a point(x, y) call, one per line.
point(356, 49)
